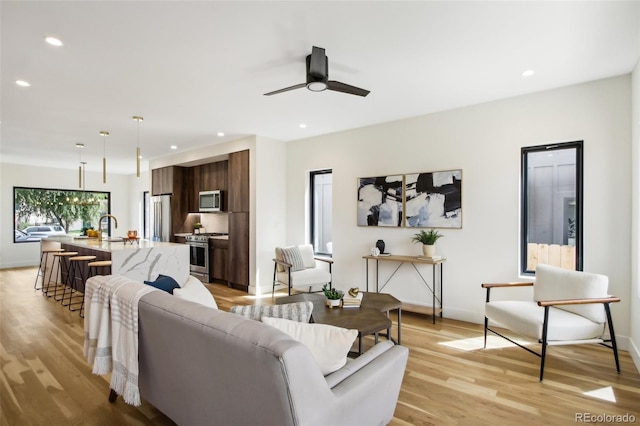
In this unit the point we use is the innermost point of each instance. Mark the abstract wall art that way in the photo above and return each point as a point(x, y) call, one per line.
point(434, 199)
point(380, 201)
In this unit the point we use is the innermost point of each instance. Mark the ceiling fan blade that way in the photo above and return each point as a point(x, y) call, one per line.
point(336, 86)
point(286, 89)
point(318, 63)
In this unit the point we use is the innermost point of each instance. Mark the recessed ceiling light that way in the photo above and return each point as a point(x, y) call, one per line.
point(53, 41)
point(303, 126)
point(528, 73)
point(174, 147)
point(220, 134)
point(22, 83)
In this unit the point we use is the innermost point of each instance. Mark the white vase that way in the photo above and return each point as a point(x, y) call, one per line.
point(428, 250)
point(333, 302)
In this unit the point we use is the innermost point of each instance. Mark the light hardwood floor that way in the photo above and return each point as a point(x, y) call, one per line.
point(449, 379)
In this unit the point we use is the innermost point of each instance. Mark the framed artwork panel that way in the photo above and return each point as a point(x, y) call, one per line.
point(380, 201)
point(433, 199)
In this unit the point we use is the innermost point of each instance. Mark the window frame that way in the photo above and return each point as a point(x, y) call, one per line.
point(312, 207)
point(15, 221)
point(524, 204)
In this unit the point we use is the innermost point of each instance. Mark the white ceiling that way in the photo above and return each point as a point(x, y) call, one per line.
point(196, 68)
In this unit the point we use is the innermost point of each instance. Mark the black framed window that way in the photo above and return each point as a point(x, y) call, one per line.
point(41, 212)
point(551, 206)
point(321, 206)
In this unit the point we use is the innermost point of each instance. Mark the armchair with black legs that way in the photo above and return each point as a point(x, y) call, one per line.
point(567, 308)
point(297, 266)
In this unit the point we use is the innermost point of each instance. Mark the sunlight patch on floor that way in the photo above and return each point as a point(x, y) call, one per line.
point(605, 393)
point(475, 343)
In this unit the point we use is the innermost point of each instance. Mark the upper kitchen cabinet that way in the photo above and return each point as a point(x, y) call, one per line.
point(238, 199)
point(164, 180)
point(208, 177)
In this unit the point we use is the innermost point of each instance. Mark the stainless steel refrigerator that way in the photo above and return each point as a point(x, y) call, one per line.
point(160, 218)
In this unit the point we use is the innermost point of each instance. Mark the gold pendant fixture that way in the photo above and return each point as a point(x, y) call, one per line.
point(104, 135)
point(81, 164)
point(138, 119)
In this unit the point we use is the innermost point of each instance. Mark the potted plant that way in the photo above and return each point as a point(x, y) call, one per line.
point(196, 227)
point(571, 232)
point(334, 296)
point(428, 240)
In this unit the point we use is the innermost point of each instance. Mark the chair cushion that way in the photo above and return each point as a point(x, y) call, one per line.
point(308, 257)
point(526, 318)
point(293, 256)
point(195, 291)
point(329, 345)
point(298, 311)
point(553, 283)
point(306, 277)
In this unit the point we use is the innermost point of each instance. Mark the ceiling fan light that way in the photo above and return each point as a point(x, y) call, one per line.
point(317, 86)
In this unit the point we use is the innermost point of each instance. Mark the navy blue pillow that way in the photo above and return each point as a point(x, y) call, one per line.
point(164, 282)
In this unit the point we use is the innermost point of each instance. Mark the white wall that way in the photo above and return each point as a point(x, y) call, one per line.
point(484, 141)
point(634, 293)
point(270, 209)
point(27, 254)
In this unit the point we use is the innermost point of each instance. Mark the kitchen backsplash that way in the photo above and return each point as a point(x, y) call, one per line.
point(215, 222)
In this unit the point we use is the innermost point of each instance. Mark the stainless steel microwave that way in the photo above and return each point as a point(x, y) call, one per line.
point(210, 201)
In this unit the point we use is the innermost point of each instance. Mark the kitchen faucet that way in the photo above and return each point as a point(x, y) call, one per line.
point(100, 224)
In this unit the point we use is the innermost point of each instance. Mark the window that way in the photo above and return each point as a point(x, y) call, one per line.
point(321, 207)
point(42, 212)
point(551, 222)
point(145, 215)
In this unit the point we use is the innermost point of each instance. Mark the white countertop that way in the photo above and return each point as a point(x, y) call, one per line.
point(109, 246)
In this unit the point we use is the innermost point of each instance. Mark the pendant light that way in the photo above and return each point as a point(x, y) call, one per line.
point(81, 164)
point(138, 119)
point(104, 135)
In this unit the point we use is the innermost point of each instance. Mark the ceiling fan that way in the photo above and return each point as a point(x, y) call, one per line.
point(318, 77)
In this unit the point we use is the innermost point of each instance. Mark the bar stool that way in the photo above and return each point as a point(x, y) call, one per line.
point(93, 270)
point(42, 269)
point(76, 268)
point(60, 257)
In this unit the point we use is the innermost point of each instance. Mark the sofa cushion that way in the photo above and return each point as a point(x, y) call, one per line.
point(195, 291)
point(293, 256)
point(306, 277)
point(164, 282)
point(308, 257)
point(329, 345)
point(298, 311)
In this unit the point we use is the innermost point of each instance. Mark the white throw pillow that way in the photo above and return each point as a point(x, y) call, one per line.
point(329, 345)
point(195, 291)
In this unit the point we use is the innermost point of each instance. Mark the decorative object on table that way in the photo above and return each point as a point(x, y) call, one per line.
point(333, 296)
point(428, 240)
point(380, 201)
point(132, 233)
point(197, 227)
point(375, 251)
point(353, 299)
point(380, 246)
point(433, 199)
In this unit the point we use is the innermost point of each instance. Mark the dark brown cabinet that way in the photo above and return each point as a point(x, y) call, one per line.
point(239, 250)
point(166, 179)
point(208, 177)
point(219, 259)
point(238, 199)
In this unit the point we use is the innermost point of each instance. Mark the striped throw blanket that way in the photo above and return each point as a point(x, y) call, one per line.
point(111, 331)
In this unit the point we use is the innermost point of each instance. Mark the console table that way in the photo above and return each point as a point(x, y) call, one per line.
point(434, 288)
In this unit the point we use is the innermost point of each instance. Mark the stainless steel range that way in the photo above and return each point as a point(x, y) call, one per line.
point(199, 264)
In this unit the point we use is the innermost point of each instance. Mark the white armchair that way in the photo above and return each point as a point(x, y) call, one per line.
point(296, 266)
point(568, 307)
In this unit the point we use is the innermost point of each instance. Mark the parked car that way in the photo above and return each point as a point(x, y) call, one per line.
point(20, 236)
point(44, 230)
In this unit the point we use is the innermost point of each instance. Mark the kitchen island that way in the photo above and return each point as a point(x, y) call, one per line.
point(141, 261)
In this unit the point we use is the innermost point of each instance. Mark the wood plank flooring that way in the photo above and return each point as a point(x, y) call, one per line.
point(450, 379)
